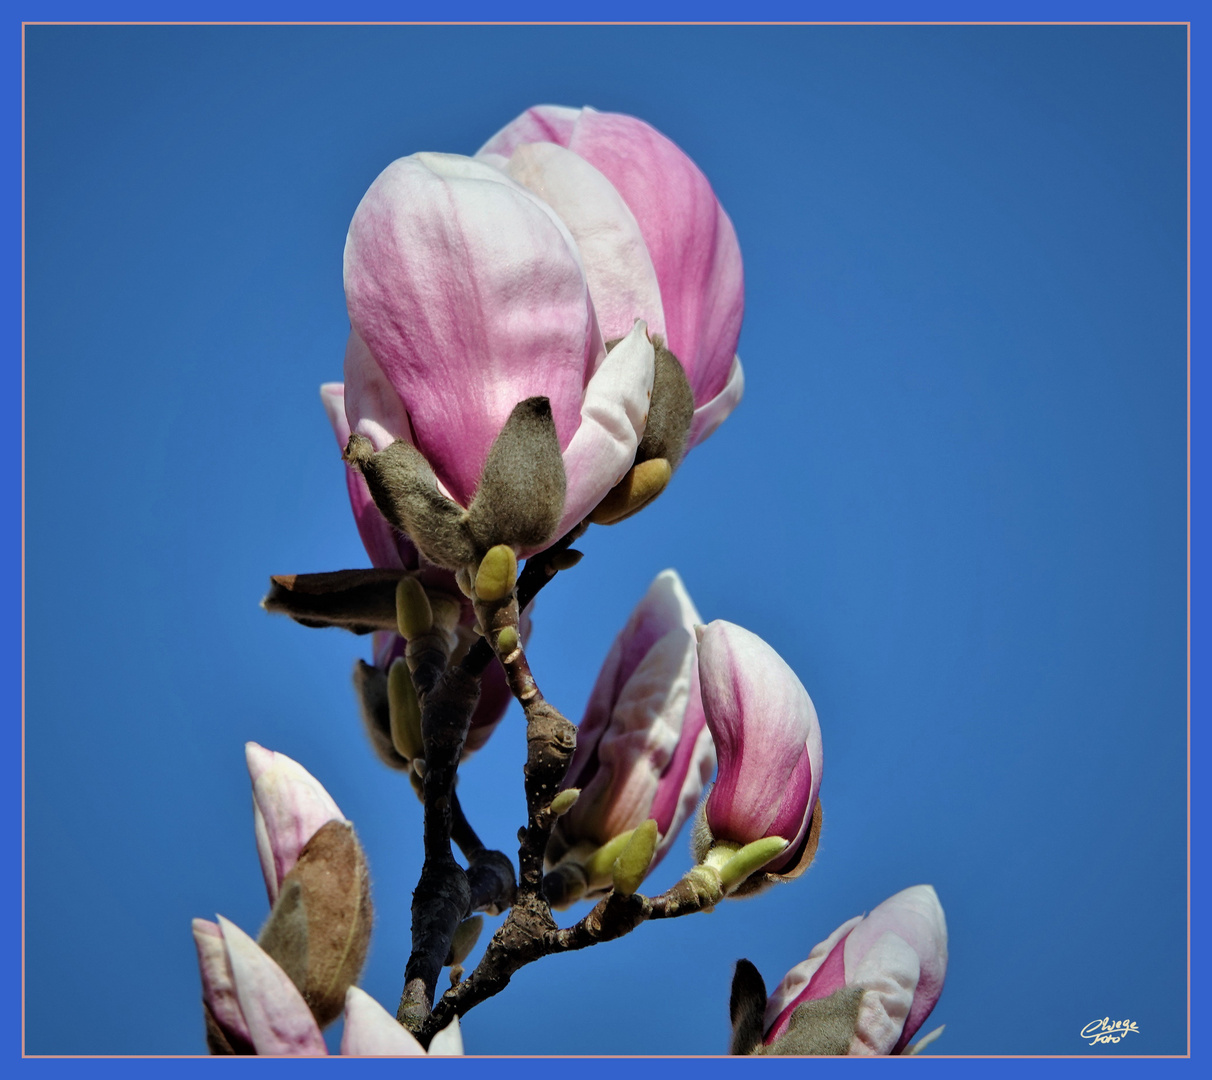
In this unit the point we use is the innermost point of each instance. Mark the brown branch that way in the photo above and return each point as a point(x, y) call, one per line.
point(442, 896)
point(537, 572)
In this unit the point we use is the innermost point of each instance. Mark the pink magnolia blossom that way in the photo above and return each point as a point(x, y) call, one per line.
point(690, 240)
point(897, 954)
point(643, 749)
point(390, 549)
point(251, 999)
point(768, 740)
point(467, 296)
point(258, 1010)
point(289, 806)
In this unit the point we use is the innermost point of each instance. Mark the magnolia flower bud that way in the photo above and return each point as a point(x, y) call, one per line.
point(872, 983)
point(251, 1005)
point(763, 809)
point(643, 750)
point(289, 807)
point(690, 242)
point(317, 878)
point(483, 405)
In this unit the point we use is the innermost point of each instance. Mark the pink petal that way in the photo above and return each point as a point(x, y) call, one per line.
point(686, 776)
point(371, 1031)
point(470, 296)
point(828, 977)
point(639, 743)
point(795, 985)
point(767, 737)
point(387, 548)
point(689, 237)
point(372, 404)
point(289, 806)
point(915, 916)
point(889, 974)
point(664, 607)
point(218, 986)
point(622, 280)
point(712, 414)
point(543, 123)
point(613, 416)
point(279, 1021)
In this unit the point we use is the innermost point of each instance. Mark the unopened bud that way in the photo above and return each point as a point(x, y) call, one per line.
point(319, 929)
point(464, 582)
point(507, 641)
point(750, 859)
point(566, 559)
point(414, 616)
point(466, 934)
point(498, 573)
point(564, 801)
point(633, 862)
point(643, 483)
point(405, 711)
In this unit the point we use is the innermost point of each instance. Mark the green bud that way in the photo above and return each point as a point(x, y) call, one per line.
point(498, 573)
point(414, 616)
point(564, 801)
point(507, 641)
point(598, 864)
point(750, 859)
point(405, 711)
point(466, 934)
point(634, 860)
point(464, 582)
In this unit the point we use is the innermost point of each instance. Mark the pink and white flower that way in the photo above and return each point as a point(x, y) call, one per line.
point(897, 955)
point(768, 739)
point(256, 1009)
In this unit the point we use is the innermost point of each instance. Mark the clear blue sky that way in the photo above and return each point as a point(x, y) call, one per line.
point(953, 499)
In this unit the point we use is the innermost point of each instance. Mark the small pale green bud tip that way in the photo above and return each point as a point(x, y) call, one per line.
point(498, 573)
point(463, 581)
point(631, 867)
point(414, 615)
point(507, 641)
point(564, 801)
point(404, 711)
point(750, 859)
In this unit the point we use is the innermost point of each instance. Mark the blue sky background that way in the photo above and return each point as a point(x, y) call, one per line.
point(953, 499)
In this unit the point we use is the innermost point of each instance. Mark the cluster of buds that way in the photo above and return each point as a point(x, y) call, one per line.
point(274, 995)
point(671, 698)
point(863, 991)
